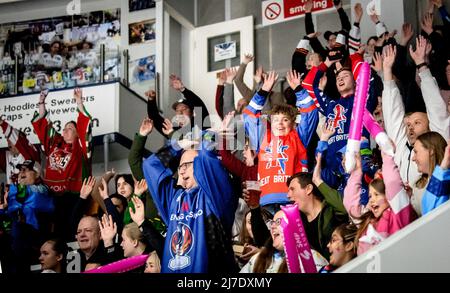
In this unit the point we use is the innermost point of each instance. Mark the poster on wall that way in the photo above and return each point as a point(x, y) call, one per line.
point(142, 70)
point(141, 32)
point(135, 5)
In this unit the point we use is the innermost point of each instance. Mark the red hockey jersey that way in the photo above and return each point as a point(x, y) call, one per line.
point(67, 164)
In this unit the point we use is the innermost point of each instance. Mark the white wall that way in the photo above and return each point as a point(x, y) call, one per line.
point(421, 247)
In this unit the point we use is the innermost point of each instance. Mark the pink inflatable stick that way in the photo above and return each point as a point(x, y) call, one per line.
point(356, 123)
point(292, 260)
point(298, 234)
point(120, 266)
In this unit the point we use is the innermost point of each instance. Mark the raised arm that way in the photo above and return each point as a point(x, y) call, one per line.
point(136, 153)
point(392, 103)
point(435, 104)
point(178, 85)
point(153, 112)
point(228, 93)
point(254, 127)
point(245, 91)
point(352, 191)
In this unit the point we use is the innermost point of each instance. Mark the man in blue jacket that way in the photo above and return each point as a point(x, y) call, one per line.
point(198, 210)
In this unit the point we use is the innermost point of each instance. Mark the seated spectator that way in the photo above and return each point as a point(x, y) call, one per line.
point(29, 206)
point(271, 258)
point(320, 206)
point(341, 246)
point(389, 208)
point(53, 256)
point(153, 264)
point(430, 150)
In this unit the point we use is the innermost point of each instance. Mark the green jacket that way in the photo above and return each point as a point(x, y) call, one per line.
point(135, 158)
point(333, 214)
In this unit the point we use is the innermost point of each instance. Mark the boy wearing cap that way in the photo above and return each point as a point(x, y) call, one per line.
point(28, 204)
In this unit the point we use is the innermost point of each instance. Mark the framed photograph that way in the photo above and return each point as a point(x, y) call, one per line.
point(142, 70)
point(135, 5)
point(141, 32)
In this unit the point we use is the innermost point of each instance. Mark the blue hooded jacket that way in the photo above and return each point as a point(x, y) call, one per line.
point(199, 220)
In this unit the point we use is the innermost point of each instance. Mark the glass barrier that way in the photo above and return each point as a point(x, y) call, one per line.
point(37, 71)
point(7, 76)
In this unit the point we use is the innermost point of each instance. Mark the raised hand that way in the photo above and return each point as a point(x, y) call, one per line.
point(327, 131)
point(269, 81)
point(317, 176)
point(248, 58)
point(358, 12)
point(427, 23)
point(231, 74)
point(176, 83)
point(138, 215)
point(140, 187)
point(78, 94)
point(293, 79)
point(108, 229)
point(377, 62)
point(314, 35)
point(109, 175)
point(389, 54)
point(151, 95)
point(445, 164)
point(42, 96)
point(258, 74)
point(374, 17)
point(323, 82)
point(407, 33)
point(103, 189)
point(4, 205)
point(309, 6)
point(226, 122)
point(167, 127)
point(222, 77)
point(419, 54)
point(86, 188)
point(146, 127)
point(437, 3)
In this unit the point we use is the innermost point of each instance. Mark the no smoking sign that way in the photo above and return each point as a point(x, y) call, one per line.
point(273, 10)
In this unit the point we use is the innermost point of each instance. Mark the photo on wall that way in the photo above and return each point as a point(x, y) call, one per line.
point(135, 5)
point(141, 32)
point(142, 70)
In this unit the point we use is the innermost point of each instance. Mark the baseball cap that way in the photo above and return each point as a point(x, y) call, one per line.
point(30, 165)
point(183, 101)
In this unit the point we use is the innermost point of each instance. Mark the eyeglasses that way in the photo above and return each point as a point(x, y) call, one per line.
point(277, 222)
point(184, 166)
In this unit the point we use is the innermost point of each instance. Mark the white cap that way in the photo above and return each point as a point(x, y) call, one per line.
point(303, 44)
point(380, 29)
point(340, 39)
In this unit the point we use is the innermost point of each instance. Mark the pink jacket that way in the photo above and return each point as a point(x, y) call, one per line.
point(398, 215)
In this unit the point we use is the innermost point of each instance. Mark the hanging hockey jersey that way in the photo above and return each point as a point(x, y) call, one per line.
point(67, 163)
